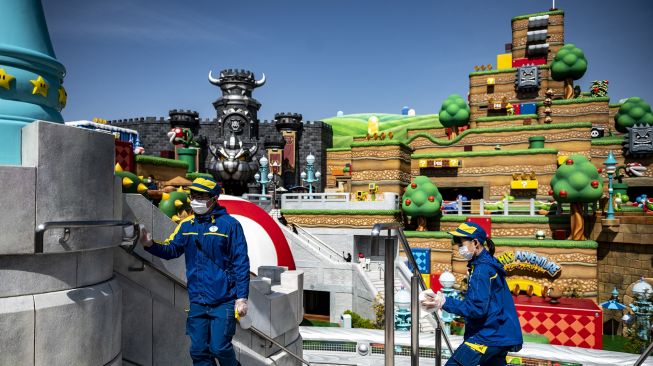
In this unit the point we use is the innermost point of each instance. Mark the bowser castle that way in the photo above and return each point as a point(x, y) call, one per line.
point(231, 145)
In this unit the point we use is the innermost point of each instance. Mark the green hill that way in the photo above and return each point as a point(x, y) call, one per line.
point(348, 126)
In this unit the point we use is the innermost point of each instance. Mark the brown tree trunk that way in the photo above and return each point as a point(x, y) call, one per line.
point(577, 222)
point(421, 223)
point(569, 88)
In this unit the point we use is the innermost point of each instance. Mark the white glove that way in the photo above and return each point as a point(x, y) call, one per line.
point(145, 237)
point(241, 307)
point(430, 301)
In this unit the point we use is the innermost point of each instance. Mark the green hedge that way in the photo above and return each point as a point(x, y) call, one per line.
point(380, 143)
point(513, 242)
point(631, 209)
point(506, 118)
point(577, 101)
point(340, 212)
point(456, 154)
point(615, 105)
point(155, 160)
point(608, 140)
point(554, 126)
point(554, 12)
point(564, 219)
point(335, 149)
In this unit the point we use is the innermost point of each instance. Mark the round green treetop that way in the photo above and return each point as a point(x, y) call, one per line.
point(454, 112)
point(634, 111)
point(421, 198)
point(577, 181)
point(569, 63)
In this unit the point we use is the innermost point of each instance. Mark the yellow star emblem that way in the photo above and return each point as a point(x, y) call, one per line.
point(63, 96)
point(5, 79)
point(40, 86)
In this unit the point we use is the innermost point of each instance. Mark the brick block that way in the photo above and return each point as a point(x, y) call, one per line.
point(632, 238)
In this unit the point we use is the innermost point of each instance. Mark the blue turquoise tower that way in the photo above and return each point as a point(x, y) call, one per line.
point(30, 76)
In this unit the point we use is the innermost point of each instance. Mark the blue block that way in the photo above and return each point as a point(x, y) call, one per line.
point(423, 260)
point(528, 108)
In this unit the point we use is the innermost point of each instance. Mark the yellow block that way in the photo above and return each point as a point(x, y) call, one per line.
point(427, 280)
point(491, 81)
point(562, 159)
point(504, 61)
point(523, 184)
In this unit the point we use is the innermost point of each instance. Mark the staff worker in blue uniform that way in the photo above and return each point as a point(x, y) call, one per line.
point(217, 272)
point(491, 324)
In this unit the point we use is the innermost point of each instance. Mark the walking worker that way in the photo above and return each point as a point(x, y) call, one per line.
point(491, 323)
point(217, 272)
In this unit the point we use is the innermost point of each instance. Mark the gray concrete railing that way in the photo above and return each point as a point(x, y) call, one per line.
point(317, 244)
point(338, 201)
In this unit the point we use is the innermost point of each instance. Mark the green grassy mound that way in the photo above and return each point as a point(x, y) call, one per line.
point(348, 126)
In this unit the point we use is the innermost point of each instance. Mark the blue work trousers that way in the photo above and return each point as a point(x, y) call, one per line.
point(211, 329)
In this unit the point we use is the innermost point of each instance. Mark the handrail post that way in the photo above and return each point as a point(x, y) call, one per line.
point(481, 207)
point(505, 207)
point(460, 206)
point(532, 206)
point(438, 345)
point(414, 318)
point(389, 302)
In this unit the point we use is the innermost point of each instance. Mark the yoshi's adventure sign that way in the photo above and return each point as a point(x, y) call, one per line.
point(528, 261)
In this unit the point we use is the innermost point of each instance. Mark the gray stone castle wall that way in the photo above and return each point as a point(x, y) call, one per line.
point(315, 138)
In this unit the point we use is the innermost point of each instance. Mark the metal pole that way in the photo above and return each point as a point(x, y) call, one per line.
point(644, 355)
point(438, 345)
point(414, 319)
point(389, 302)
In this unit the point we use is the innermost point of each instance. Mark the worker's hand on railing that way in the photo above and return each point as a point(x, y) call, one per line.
point(241, 307)
point(145, 238)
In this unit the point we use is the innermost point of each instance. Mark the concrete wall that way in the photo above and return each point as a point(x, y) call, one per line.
point(61, 307)
point(348, 290)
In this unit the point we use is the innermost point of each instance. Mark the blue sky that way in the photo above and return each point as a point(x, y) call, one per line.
point(132, 58)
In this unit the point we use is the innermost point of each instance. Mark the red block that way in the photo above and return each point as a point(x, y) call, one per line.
point(519, 62)
point(435, 282)
point(571, 322)
point(516, 108)
point(484, 222)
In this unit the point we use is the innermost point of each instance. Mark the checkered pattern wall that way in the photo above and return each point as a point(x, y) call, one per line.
point(563, 328)
point(423, 260)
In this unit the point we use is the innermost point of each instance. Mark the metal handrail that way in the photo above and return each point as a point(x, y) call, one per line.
point(130, 250)
point(644, 355)
point(66, 225)
point(320, 243)
point(417, 284)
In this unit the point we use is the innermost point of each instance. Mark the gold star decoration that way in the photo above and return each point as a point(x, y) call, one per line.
point(63, 96)
point(5, 79)
point(40, 86)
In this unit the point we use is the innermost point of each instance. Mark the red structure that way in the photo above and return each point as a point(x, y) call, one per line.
point(571, 322)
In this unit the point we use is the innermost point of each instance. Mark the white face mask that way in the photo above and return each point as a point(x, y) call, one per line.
point(465, 253)
point(199, 206)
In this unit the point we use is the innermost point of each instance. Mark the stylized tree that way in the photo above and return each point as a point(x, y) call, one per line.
point(454, 113)
point(569, 64)
point(421, 199)
point(577, 181)
point(634, 111)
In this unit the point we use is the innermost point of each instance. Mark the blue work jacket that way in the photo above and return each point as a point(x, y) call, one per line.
point(488, 307)
point(217, 265)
